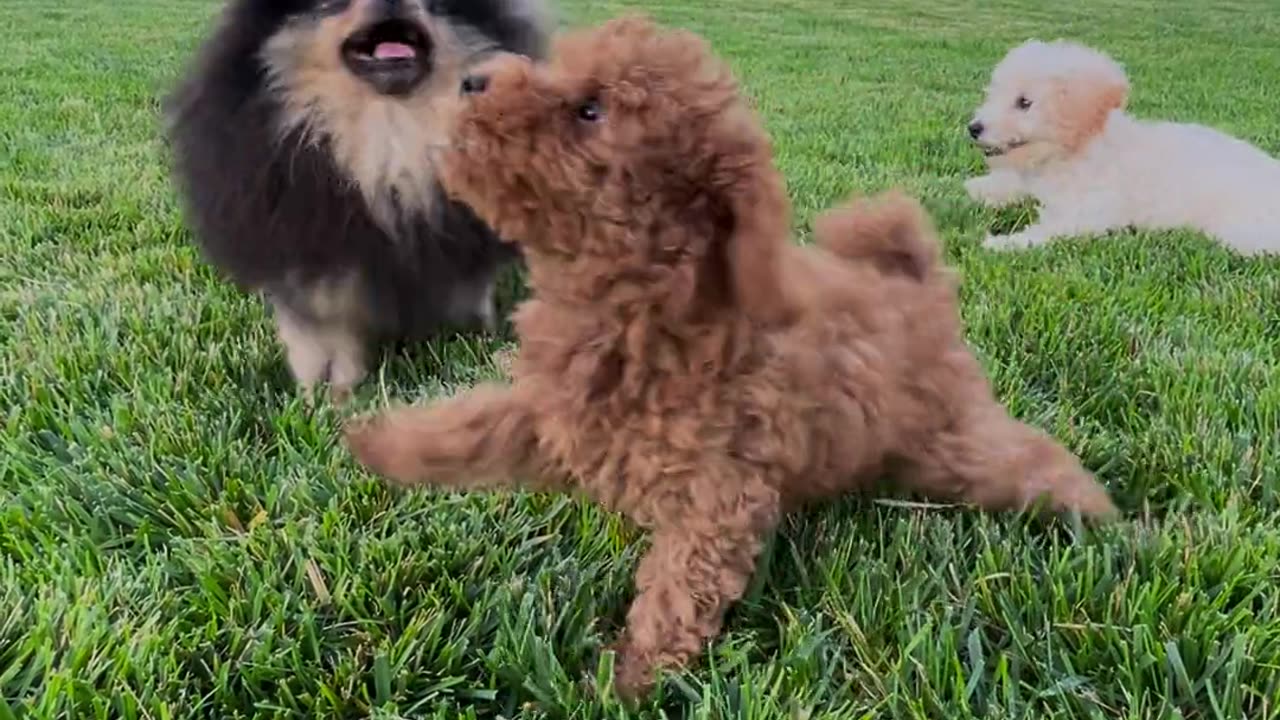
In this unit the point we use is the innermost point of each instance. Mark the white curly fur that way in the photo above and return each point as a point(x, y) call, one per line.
point(1054, 128)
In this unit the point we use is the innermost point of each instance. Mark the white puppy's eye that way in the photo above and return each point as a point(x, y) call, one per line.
point(1022, 103)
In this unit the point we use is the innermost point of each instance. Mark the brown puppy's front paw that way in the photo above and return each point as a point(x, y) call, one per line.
point(359, 435)
point(374, 443)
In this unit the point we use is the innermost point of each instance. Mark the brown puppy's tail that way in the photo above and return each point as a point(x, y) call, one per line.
point(891, 230)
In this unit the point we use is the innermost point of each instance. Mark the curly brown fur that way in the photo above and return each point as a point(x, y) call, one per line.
point(892, 232)
point(681, 361)
point(306, 137)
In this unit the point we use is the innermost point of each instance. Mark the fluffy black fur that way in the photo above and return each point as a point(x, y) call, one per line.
point(276, 213)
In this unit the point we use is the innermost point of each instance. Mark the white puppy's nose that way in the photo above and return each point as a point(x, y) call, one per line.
point(975, 129)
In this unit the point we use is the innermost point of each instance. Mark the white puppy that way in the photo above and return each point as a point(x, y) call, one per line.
point(1053, 128)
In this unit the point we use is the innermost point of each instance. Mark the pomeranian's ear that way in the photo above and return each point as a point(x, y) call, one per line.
point(529, 27)
point(756, 226)
point(1087, 98)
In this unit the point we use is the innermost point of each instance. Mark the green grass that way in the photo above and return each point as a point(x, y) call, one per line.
point(180, 538)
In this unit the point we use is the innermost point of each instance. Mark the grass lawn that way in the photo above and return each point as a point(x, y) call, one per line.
point(180, 538)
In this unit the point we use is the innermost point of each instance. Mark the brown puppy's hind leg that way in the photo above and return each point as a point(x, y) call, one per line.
point(998, 463)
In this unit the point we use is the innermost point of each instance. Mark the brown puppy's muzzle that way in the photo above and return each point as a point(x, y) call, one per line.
point(499, 100)
point(474, 84)
point(500, 119)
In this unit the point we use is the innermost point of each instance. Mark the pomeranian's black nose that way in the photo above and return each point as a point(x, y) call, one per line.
point(474, 84)
point(975, 129)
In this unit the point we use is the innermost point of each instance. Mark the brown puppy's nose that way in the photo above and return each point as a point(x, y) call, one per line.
point(975, 129)
point(474, 84)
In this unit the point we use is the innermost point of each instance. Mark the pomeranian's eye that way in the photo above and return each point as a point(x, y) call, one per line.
point(589, 110)
point(1022, 103)
point(331, 7)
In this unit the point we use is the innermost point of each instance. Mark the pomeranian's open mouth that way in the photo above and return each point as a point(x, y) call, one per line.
point(392, 55)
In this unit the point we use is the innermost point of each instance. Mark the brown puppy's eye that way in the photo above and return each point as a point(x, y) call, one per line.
point(1022, 103)
point(589, 111)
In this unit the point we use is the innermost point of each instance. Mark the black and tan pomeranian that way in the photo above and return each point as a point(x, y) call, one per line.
point(305, 138)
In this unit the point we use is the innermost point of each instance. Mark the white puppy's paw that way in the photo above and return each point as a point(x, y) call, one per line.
point(981, 189)
point(1013, 241)
point(995, 190)
point(974, 187)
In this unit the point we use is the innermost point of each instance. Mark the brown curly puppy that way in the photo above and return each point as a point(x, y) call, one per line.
point(682, 362)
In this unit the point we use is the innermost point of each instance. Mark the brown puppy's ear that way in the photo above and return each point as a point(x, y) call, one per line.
point(1086, 100)
point(757, 225)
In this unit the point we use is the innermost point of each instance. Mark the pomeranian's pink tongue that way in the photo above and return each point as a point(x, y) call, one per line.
point(393, 51)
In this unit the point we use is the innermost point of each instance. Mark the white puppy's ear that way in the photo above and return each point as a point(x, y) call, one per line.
point(1085, 100)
